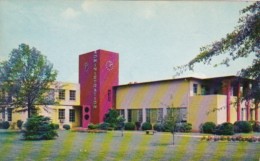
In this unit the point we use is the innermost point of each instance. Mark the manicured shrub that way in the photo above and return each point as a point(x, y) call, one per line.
point(146, 126)
point(66, 126)
point(93, 126)
point(158, 127)
point(6, 125)
point(104, 126)
point(255, 126)
point(39, 128)
point(208, 127)
point(242, 127)
point(184, 127)
point(56, 126)
point(129, 126)
point(19, 124)
point(225, 128)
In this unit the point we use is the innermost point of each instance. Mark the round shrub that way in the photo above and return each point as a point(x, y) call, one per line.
point(39, 128)
point(158, 127)
point(66, 126)
point(208, 127)
point(146, 126)
point(104, 126)
point(183, 127)
point(129, 126)
point(225, 128)
point(6, 125)
point(92, 126)
point(56, 126)
point(19, 124)
point(242, 127)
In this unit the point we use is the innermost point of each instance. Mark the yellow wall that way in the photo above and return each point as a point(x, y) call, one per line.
point(153, 95)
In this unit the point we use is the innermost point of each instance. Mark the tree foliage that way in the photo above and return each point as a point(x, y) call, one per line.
point(25, 79)
point(244, 41)
point(111, 117)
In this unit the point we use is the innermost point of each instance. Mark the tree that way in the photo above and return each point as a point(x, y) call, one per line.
point(121, 123)
point(25, 79)
point(242, 42)
point(170, 119)
point(111, 117)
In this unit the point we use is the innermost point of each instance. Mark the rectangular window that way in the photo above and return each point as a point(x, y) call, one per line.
point(148, 117)
point(160, 115)
point(122, 113)
point(140, 115)
point(195, 88)
point(9, 114)
point(61, 114)
point(72, 115)
point(109, 95)
point(62, 94)
point(72, 95)
point(129, 115)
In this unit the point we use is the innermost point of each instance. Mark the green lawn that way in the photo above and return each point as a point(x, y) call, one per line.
point(133, 146)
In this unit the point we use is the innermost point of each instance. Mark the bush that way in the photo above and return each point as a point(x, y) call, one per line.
point(66, 126)
point(225, 129)
point(183, 127)
point(129, 126)
point(19, 124)
point(39, 128)
point(146, 126)
point(5, 125)
point(208, 127)
point(104, 126)
point(158, 127)
point(255, 126)
point(93, 126)
point(242, 127)
point(56, 126)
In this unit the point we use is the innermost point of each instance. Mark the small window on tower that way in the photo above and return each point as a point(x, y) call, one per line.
point(109, 95)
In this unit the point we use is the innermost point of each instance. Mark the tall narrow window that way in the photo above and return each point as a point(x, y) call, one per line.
point(61, 114)
point(62, 94)
point(160, 115)
point(140, 115)
point(129, 115)
point(148, 116)
point(9, 114)
point(109, 95)
point(72, 95)
point(72, 115)
point(195, 88)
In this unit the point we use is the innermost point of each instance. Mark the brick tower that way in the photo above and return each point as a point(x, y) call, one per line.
point(98, 73)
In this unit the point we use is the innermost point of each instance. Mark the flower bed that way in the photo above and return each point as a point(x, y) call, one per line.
point(231, 138)
point(88, 130)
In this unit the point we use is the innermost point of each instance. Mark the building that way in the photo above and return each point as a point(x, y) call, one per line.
point(198, 99)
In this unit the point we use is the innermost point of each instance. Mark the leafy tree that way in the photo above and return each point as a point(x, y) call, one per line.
point(111, 117)
point(25, 79)
point(244, 41)
point(170, 119)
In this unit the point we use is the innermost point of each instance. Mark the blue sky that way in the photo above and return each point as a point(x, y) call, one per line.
point(151, 37)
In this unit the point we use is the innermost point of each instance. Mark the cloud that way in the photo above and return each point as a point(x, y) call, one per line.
point(93, 6)
point(70, 13)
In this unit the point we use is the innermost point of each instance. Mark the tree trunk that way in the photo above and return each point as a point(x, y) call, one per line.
point(122, 132)
point(173, 138)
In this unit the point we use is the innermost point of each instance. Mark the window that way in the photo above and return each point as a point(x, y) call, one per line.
point(72, 115)
point(140, 116)
point(129, 115)
point(9, 114)
point(61, 113)
point(122, 113)
point(62, 94)
point(109, 95)
point(148, 118)
point(72, 95)
point(195, 88)
point(160, 115)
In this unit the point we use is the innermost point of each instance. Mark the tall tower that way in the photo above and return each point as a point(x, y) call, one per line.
point(98, 73)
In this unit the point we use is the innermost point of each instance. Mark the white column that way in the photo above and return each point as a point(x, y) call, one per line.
point(144, 114)
point(164, 111)
point(126, 115)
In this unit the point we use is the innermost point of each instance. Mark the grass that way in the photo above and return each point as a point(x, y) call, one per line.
point(132, 146)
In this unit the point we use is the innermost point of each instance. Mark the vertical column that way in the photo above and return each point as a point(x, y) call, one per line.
point(144, 114)
point(256, 111)
point(126, 115)
point(247, 110)
point(164, 112)
point(228, 101)
point(238, 102)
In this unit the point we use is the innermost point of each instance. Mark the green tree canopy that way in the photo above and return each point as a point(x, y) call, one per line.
point(244, 41)
point(25, 79)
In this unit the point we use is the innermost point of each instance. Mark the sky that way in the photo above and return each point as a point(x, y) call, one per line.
point(151, 37)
